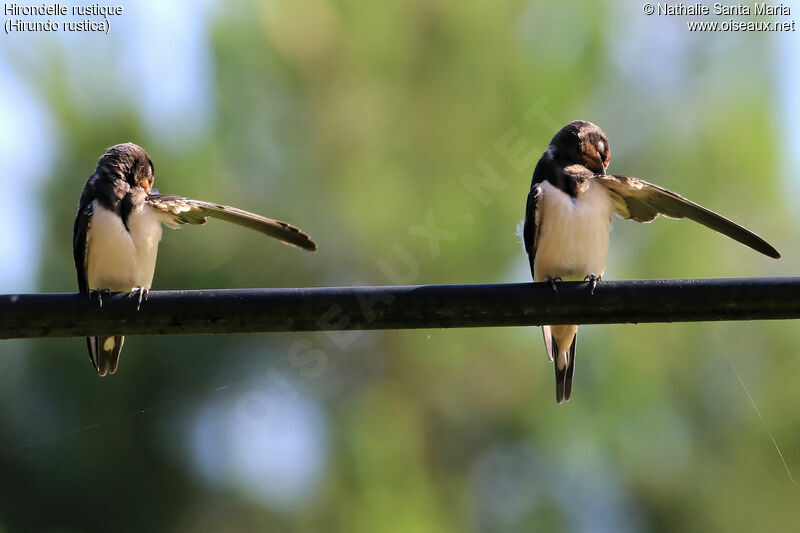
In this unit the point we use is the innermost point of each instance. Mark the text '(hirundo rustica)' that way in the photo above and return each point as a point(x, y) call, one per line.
point(70, 23)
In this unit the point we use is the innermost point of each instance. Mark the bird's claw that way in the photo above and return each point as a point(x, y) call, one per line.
point(143, 293)
point(99, 293)
point(552, 282)
point(593, 281)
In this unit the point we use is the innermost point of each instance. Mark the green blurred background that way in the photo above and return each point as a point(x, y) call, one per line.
point(358, 121)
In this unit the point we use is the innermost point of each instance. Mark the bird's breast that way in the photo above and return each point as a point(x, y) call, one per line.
point(144, 226)
point(573, 233)
point(120, 258)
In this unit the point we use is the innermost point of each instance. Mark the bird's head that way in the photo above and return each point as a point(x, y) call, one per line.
point(130, 163)
point(582, 143)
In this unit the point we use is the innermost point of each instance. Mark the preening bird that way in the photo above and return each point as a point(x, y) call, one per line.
point(568, 216)
point(118, 227)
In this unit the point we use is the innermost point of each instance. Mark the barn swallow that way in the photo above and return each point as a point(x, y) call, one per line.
point(118, 227)
point(567, 221)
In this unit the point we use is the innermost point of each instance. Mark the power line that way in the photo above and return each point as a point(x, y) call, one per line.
point(400, 307)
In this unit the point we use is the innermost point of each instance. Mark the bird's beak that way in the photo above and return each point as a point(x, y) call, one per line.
point(604, 167)
point(145, 185)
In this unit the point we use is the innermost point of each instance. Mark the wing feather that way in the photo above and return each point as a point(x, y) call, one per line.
point(176, 210)
point(530, 231)
point(641, 201)
point(79, 232)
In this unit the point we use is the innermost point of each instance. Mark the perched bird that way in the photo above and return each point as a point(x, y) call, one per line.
point(568, 216)
point(118, 227)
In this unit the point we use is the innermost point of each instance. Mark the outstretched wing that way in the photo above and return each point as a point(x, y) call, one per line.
point(176, 210)
point(641, 201)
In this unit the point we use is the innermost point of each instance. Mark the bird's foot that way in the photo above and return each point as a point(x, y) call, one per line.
point(552, 282)
point(593, 281)
point(143, 293)
point(99, 293)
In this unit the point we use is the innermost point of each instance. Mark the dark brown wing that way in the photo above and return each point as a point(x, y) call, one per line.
point(530, 238)
point(104, 360)
point(641, 201)
point(530, 230)
point(79, 232)
point(176, 210)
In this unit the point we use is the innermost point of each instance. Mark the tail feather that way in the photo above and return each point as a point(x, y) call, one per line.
point(104, 353)
point(548, 342)
point(560, 372)
point(564, 365)
point(570, 368)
